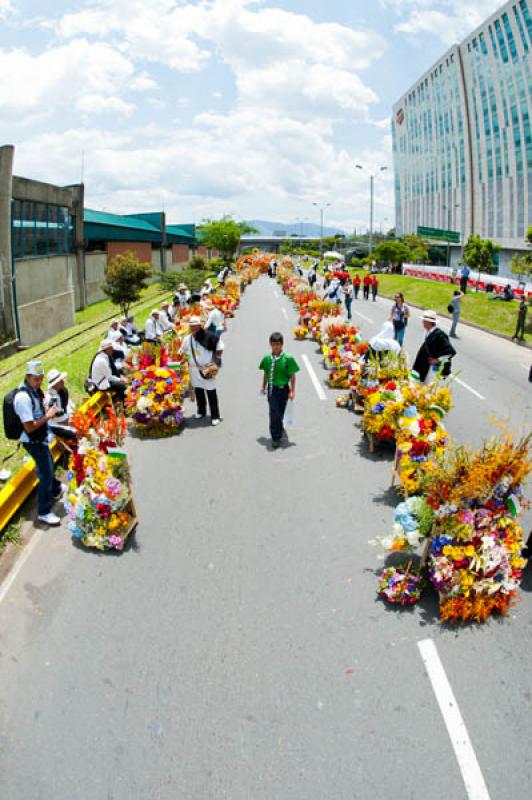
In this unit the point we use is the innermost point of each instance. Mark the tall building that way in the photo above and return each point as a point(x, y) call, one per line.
point(462, 137)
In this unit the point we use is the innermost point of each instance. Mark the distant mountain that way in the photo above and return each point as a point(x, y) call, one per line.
point(288, 229)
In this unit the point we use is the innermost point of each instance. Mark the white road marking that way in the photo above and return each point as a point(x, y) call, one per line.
point(8, 583)
point(463, 749)
point(276, 293)
point(470, 389)
point(363, 316)
point(284, 313)
point(314, 378)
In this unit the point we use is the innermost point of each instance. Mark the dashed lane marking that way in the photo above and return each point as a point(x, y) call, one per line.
point(314, 378)
point(359, 314)
point(470, 389)
point(463, 749)
point(284, 313)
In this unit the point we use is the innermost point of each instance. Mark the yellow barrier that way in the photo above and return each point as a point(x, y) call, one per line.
point(20, 486)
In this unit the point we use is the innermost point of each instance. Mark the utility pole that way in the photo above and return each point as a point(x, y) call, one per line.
point(322, 209)
point(371, 202)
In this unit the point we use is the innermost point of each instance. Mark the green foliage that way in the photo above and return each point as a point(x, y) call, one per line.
point(392, 252)
point(215, 264)
point(223, 235)
point(192, 278)
point(197, 261)
point(125, 278)
point(479, 254)
point(12, 534)
point(419, 251)
point(522, 265)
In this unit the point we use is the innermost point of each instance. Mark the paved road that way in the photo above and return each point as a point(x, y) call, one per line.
point(239, 651)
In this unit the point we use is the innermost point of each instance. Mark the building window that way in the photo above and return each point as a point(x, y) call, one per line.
point(39, 229)
point(528, 19)
point(521, 29)
point(510, 37)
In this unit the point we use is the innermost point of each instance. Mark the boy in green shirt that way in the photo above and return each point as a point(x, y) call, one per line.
point(279, 381)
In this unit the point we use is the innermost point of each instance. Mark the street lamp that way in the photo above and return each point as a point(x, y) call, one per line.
point(382, 220)
point(322, 209)
point(371, 199)
point(449, 209)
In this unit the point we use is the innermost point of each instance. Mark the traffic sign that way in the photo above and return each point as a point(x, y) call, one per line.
point(439, 233)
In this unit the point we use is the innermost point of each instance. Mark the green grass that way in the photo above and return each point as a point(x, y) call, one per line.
point(12, 534)
point(74, 356)
point(494, 315)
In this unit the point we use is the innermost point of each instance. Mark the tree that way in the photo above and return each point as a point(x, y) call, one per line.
point(479, 254)
point(125, 278)
point(392, 252)
point(522, 265)
point(419, 251)
point(223, 235)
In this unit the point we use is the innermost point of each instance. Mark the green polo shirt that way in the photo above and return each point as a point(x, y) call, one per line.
point(285, 367)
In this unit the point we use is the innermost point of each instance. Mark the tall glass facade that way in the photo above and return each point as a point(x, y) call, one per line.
point(462, 135)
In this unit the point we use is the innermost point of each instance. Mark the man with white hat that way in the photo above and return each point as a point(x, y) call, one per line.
point(204, 351)
point(114, 331)
point(182, 296)
point(164, 318)
point(35, 438)
point(153, 329)
point(436, 351)
point(129, 330)
point(104, 375)
point(58, 396)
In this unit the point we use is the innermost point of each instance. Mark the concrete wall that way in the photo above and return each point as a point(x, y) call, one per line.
point(95, 264)
point(142, 250)
point(45, 295)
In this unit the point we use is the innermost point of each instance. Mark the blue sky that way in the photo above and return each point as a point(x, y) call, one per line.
point(255, 108)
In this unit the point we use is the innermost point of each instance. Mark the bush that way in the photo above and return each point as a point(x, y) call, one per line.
point(215, 264)
point(197, 262)
point(125, 278)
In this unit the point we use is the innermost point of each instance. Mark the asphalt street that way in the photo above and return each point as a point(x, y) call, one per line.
point(238, 649)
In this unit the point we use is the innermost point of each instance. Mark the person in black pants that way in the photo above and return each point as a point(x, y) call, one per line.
point(279, 382)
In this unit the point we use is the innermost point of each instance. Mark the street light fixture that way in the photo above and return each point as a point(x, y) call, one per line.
point(322, 209)
point(371, 201)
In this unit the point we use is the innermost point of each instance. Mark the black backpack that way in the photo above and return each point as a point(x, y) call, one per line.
point(12, 425)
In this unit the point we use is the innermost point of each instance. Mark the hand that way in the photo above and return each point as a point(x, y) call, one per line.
point(291, 395)
point(434, 361)
point(263, 390)
point(51, 413)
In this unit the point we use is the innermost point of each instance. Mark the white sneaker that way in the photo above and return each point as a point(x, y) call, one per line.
point(198, 416)
point(49, 519)
point(215, 422)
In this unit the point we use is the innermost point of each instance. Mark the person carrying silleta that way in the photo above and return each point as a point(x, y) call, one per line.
point(279, 383)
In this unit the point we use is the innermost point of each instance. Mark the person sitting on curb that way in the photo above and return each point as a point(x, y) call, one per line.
point(182, 296)
point(104, 375)
point(153, 329)
point(130, 331)
point(36, 438)
point(164, 318)
point(114, 331)
point(58, 396)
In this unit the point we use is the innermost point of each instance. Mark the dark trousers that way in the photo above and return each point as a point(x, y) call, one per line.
point(277, 400)
point(213, 402)
point(348, 301)
point(374, 293)
point(520, 330)
point(48, 486)
point(366, 292)
point(356, 290)
point(463, 285)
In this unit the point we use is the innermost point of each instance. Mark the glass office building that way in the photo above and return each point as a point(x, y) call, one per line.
point(462, 136)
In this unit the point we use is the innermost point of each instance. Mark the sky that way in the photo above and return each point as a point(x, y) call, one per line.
point(254, 108)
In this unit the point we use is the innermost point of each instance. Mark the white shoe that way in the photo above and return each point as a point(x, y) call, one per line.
point(49, 519)
point(215, 422)
point(198, 416)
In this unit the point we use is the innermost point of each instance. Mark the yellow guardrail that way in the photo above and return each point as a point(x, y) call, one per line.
point(18, 488)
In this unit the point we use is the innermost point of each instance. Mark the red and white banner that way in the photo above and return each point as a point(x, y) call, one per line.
point(448, 275)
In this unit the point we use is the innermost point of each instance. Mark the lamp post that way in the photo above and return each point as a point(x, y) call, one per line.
point(449, 209)
point(371, 201)
point(380, 227)
point(322, 209)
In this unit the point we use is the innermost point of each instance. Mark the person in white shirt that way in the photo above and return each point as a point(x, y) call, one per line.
point(203, 350)
point(29, 407)
point(152, 329)
point(207, 288)
point(164, 318)
point(58, 396)
point(104, 375)
point(129, 330)
point(215, 322)
point(182, 296)
point(114, 331)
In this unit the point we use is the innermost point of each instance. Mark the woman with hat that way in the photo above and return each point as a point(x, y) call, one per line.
point(58, 396)
point(436, 352)
point(182, 296)
point(204, 351)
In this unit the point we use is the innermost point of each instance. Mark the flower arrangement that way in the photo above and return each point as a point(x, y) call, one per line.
point(400, 585)
point(99, 495)
point(413, 523)
point(300, 332)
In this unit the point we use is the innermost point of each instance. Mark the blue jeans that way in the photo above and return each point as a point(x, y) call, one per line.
point(277, 399)
point(456, 317)
point(399, 334)
point(49, 487)
point(348, 301)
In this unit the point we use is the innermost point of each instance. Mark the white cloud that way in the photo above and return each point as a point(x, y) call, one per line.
point(6, 8)
point(60, 75)
point(450, 20)
point(143, 83)
point(97, 103)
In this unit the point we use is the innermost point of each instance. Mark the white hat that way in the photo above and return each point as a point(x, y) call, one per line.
point(155, 311)
point(182, 286)
point(165, 303)
point(430, 316)
point(194, 321)
point(105, 343)
point(54, 376)
point(113, 322)
point(34, 368)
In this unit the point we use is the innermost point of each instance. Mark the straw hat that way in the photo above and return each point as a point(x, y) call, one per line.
point(430, 316)
point(54, 376)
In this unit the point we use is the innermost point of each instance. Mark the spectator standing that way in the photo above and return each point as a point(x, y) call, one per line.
point(215, 322)
point(374, 287)
point(203, 350)
point(521, 320)
point(436, 352)
point(455, 308)
point(366, 285)
point(356, 285)
point(399, 315)
point(279, 384)
point(35, 438)
point(348, 298)
point(464, 276)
